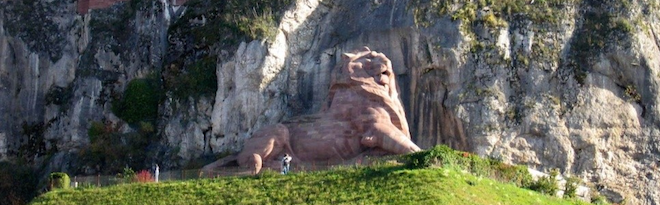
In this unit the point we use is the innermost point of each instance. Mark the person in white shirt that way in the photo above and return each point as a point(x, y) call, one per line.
point(286, 163)
point(156, 173)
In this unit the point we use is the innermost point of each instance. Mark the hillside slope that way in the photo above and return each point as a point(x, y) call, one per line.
point(379, 185)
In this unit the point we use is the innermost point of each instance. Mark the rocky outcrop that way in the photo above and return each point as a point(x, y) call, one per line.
point(551, 84)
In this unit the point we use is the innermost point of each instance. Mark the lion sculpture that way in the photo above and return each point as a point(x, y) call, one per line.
point(364, 116)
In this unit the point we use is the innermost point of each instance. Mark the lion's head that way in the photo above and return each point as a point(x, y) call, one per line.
point(372, 72)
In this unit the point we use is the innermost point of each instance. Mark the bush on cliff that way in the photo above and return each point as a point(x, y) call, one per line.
point(59, 180)
point(140, 101)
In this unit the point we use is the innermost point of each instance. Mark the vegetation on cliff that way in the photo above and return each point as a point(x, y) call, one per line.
point(110, 150)
point(34, 22)
point(140, 101)
point(565, 39)
point(226, 22)
point(206, 26)
point(542, 11)
point(604, 25)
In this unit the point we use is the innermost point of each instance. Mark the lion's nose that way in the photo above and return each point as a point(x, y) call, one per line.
point(382, 80)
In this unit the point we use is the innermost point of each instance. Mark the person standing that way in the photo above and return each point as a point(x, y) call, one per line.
point(286, 163)
point(156, 173)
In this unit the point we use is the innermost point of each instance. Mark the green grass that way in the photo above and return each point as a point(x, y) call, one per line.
point(381, 184)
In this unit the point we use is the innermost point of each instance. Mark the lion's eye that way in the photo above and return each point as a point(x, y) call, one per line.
point(385, 73)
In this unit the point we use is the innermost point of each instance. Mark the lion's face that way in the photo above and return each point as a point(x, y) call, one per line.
point(369, 67)
point(372, 72)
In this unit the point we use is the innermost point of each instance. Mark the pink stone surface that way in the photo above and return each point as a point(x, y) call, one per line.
point(364, 116)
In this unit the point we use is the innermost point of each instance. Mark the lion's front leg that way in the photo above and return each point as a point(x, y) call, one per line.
point(388, 137)
point(265, 146)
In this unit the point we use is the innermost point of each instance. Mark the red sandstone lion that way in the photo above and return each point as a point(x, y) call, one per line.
point(364, 114)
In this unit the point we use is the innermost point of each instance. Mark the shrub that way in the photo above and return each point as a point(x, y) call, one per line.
point(478, 166)
point(127, 175)
point(598, 199)
point(139, 102)
point(493, 21)
point(255, 18)
point(419, 160)
point(517, 174)
point(570, 189)
point(59, 180)
point(445, 156)
point(546, 184)
point(144, 176)
point(96, 129)
point(259, 26)
point(632, 94)
point(441, 155)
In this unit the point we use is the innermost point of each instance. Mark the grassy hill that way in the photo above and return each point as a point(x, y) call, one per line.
point(385, 183)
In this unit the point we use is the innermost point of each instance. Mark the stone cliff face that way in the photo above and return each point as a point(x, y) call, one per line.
point(60, 71)
point(563, 84)
point(36, 59)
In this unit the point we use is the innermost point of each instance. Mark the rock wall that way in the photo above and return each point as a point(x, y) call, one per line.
point(85, 5)
point(34, 62)
point(552, 84)
point(522, 89)
point(60, 70)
